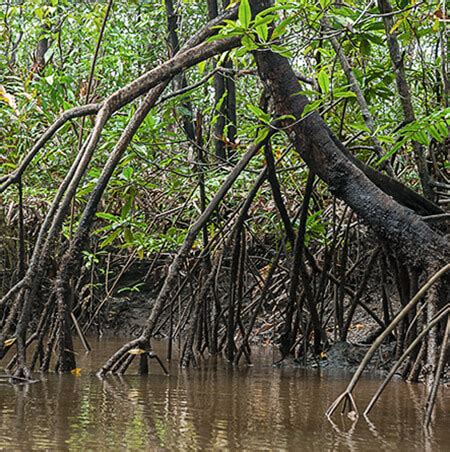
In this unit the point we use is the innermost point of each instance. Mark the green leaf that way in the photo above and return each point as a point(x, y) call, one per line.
point(248, 43)
point(262, 31)
point(434, 132)
point(244, 13)
point(112, 236)
point(283, 117)
point(442, 128)
point(49, 54)
point(263, 20)
point(324, 81)
point(126, 207)
point(361, 127)
point(324, 3)
point(262, 134)
point(39, 13)
point(311, 107)
point(421, 137)
point(365, 47)
point(385, 139)
point(396, 25)
point(280, 29)
point(260, 114)
point(128, 235)
point(107, 216)
point(128, 172)
point(344, 94)
point(282, 50)
point(391, 152)
point(201, 67)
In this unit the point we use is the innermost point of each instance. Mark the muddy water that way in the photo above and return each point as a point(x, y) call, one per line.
point(210, 408)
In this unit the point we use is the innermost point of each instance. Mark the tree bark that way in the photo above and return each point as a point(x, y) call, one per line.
point(405, 94)
point(402, 229)
point(225, 95)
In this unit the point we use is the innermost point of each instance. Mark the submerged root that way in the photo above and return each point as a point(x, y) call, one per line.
point(439, 369)
point(348, 402)
point(444, 313)
point(122, 359)
point(347, 394)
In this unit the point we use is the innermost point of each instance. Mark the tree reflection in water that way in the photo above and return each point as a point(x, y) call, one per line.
point(211, 407)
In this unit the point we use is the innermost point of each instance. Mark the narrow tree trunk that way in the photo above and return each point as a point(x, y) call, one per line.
point(404, 93)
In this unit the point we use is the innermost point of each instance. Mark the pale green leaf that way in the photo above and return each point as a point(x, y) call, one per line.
point(324, 81)
point(244, 13)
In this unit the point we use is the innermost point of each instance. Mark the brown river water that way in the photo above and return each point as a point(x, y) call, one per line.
point(212, 407)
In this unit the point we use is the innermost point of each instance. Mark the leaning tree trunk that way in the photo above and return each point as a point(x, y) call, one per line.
point(401, 228)
point(365, 190)
point(413, 240)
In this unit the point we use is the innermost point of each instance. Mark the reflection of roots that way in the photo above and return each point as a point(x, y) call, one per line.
point(121, 360)
point(348, 402)
point(346, 398)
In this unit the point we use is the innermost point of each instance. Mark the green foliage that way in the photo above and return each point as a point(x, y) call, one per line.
point(324, 81)
point(244, 13)
point(435, 126)
point(153, 196)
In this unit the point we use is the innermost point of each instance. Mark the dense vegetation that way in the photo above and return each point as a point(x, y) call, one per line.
point(288, 160)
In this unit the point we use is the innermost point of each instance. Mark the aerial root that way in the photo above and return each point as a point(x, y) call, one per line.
point(439, 368)
point(347, 401)
point(121, 360)
point(347, 394)
point(444, 312)
point(118, 359)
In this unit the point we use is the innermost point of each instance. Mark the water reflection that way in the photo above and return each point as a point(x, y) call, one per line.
point(212, 407)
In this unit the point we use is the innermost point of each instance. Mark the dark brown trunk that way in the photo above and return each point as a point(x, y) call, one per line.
point(405, 231)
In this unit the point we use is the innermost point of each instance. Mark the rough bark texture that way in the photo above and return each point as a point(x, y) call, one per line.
point(322, 151)
point(225, 95)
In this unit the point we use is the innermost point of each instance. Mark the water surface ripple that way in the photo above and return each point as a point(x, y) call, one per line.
point(213, 407)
